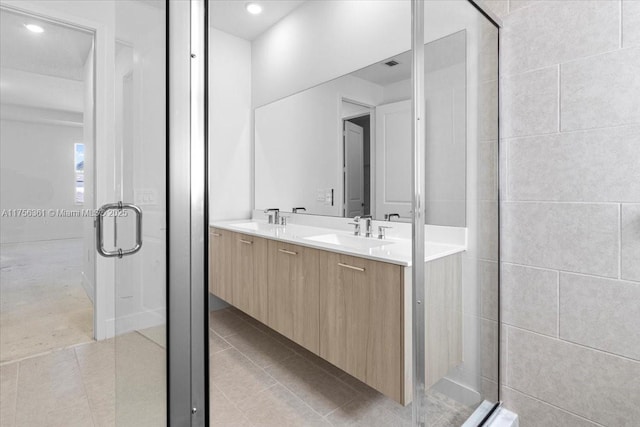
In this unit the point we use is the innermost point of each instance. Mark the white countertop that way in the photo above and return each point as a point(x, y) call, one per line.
point(392, 249)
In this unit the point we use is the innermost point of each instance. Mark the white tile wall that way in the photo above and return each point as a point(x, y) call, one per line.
point(527, 95)
point(601, 387)
point(553, 32)
point(577, 237)
point(545, 414)
point(577, 166)
point(530, 298)
point(601, 90)
point(630, 243)
point(601, 313)
point(570, 212)
point(630, 23)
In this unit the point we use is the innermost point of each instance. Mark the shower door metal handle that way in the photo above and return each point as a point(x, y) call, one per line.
point(100, 235)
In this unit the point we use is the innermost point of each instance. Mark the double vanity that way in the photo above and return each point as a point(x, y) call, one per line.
point(344, 297)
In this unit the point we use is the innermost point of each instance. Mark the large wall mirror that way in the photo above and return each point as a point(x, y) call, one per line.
point(343, 148)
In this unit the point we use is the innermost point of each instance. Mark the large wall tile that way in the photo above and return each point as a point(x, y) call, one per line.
point(576, 237)
point(599, 91)
point(483, 217)
point(595, 166)
point(530, 103)
point(489, 348)
point(519, 4)
point(535, 413)
point(499, 7)
point(489, 281)
point(530, 298)
point(630, 256)
point(596, 385)
point(630, 23)
point(558, 31)
point(601, 313)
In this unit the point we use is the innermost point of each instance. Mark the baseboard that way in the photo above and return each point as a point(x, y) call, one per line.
point(136, 321)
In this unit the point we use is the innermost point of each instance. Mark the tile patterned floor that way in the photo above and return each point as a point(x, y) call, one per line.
point(53, 374)
point(261, 378)
point(77, 386)
point(42, 303)
point(258, 378)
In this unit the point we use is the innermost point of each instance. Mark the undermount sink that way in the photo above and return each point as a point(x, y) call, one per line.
point(349, 241)
point(255, 226)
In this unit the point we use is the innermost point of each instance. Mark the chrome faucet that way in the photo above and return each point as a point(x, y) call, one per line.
point(388, 217)
point(296, 210)
point(356, 223)
point(368, 228)
point(274, 218)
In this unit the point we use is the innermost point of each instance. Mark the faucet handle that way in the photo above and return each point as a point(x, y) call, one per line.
point(356, 219)
point(356, 231)
point(381, 231)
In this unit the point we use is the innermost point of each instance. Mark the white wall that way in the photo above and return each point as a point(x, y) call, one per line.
point(323, 40)
point(298, 146)
point(230, 127)
point(37, 162)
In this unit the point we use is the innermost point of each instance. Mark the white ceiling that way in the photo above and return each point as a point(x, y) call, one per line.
point(383, 75)
point(232, 17)
point(438, 54)
point(59, 51)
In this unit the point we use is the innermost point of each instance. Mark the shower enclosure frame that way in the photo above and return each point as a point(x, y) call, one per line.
point(418, 134)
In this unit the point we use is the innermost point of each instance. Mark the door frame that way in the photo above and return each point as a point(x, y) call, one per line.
point(104, 121)
point(372, 151)
point(187, 204)
point(187, 331)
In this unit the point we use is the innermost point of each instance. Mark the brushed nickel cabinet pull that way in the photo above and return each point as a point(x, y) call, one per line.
point(246, 242)
point(284, 251)
point(350, 267)
point(216, 234)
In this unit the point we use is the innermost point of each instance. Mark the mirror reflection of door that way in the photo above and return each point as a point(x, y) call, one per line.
point(356, 173)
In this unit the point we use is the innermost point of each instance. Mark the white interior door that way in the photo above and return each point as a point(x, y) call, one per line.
point(353, 169)
point(393, 160)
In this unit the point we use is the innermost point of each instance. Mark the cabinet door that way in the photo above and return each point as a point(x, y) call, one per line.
point(250, 275)
point(294, 293)
point(361, 320)
point(220, 259)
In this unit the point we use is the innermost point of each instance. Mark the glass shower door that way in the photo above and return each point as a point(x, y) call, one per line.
point(139, 83)
point(458, 322)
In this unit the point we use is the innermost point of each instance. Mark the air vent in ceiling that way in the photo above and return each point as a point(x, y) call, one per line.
point(391, 63)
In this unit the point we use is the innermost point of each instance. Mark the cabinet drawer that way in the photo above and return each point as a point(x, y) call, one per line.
point(361, 320)
point(220, 261)
point(294, 292)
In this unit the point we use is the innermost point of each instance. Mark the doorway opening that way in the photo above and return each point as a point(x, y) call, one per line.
point(47, 284)
point(356, 154)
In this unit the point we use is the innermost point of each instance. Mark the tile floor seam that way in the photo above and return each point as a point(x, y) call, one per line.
point(295, 353)
point(234, 404)
point(84, 388)
point(299, 398)
point(15, 405)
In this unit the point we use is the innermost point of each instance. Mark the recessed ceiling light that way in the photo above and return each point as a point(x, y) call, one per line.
point(254, 8)
point(34, 28)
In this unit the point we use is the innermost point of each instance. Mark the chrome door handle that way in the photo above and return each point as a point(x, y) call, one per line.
point(100, 236)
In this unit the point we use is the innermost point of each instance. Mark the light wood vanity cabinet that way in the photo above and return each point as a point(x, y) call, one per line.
point(351, 311)
point(220, 270)
point(238, 271)
point(249, 265)
point(361, 320)
point(293, 285)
